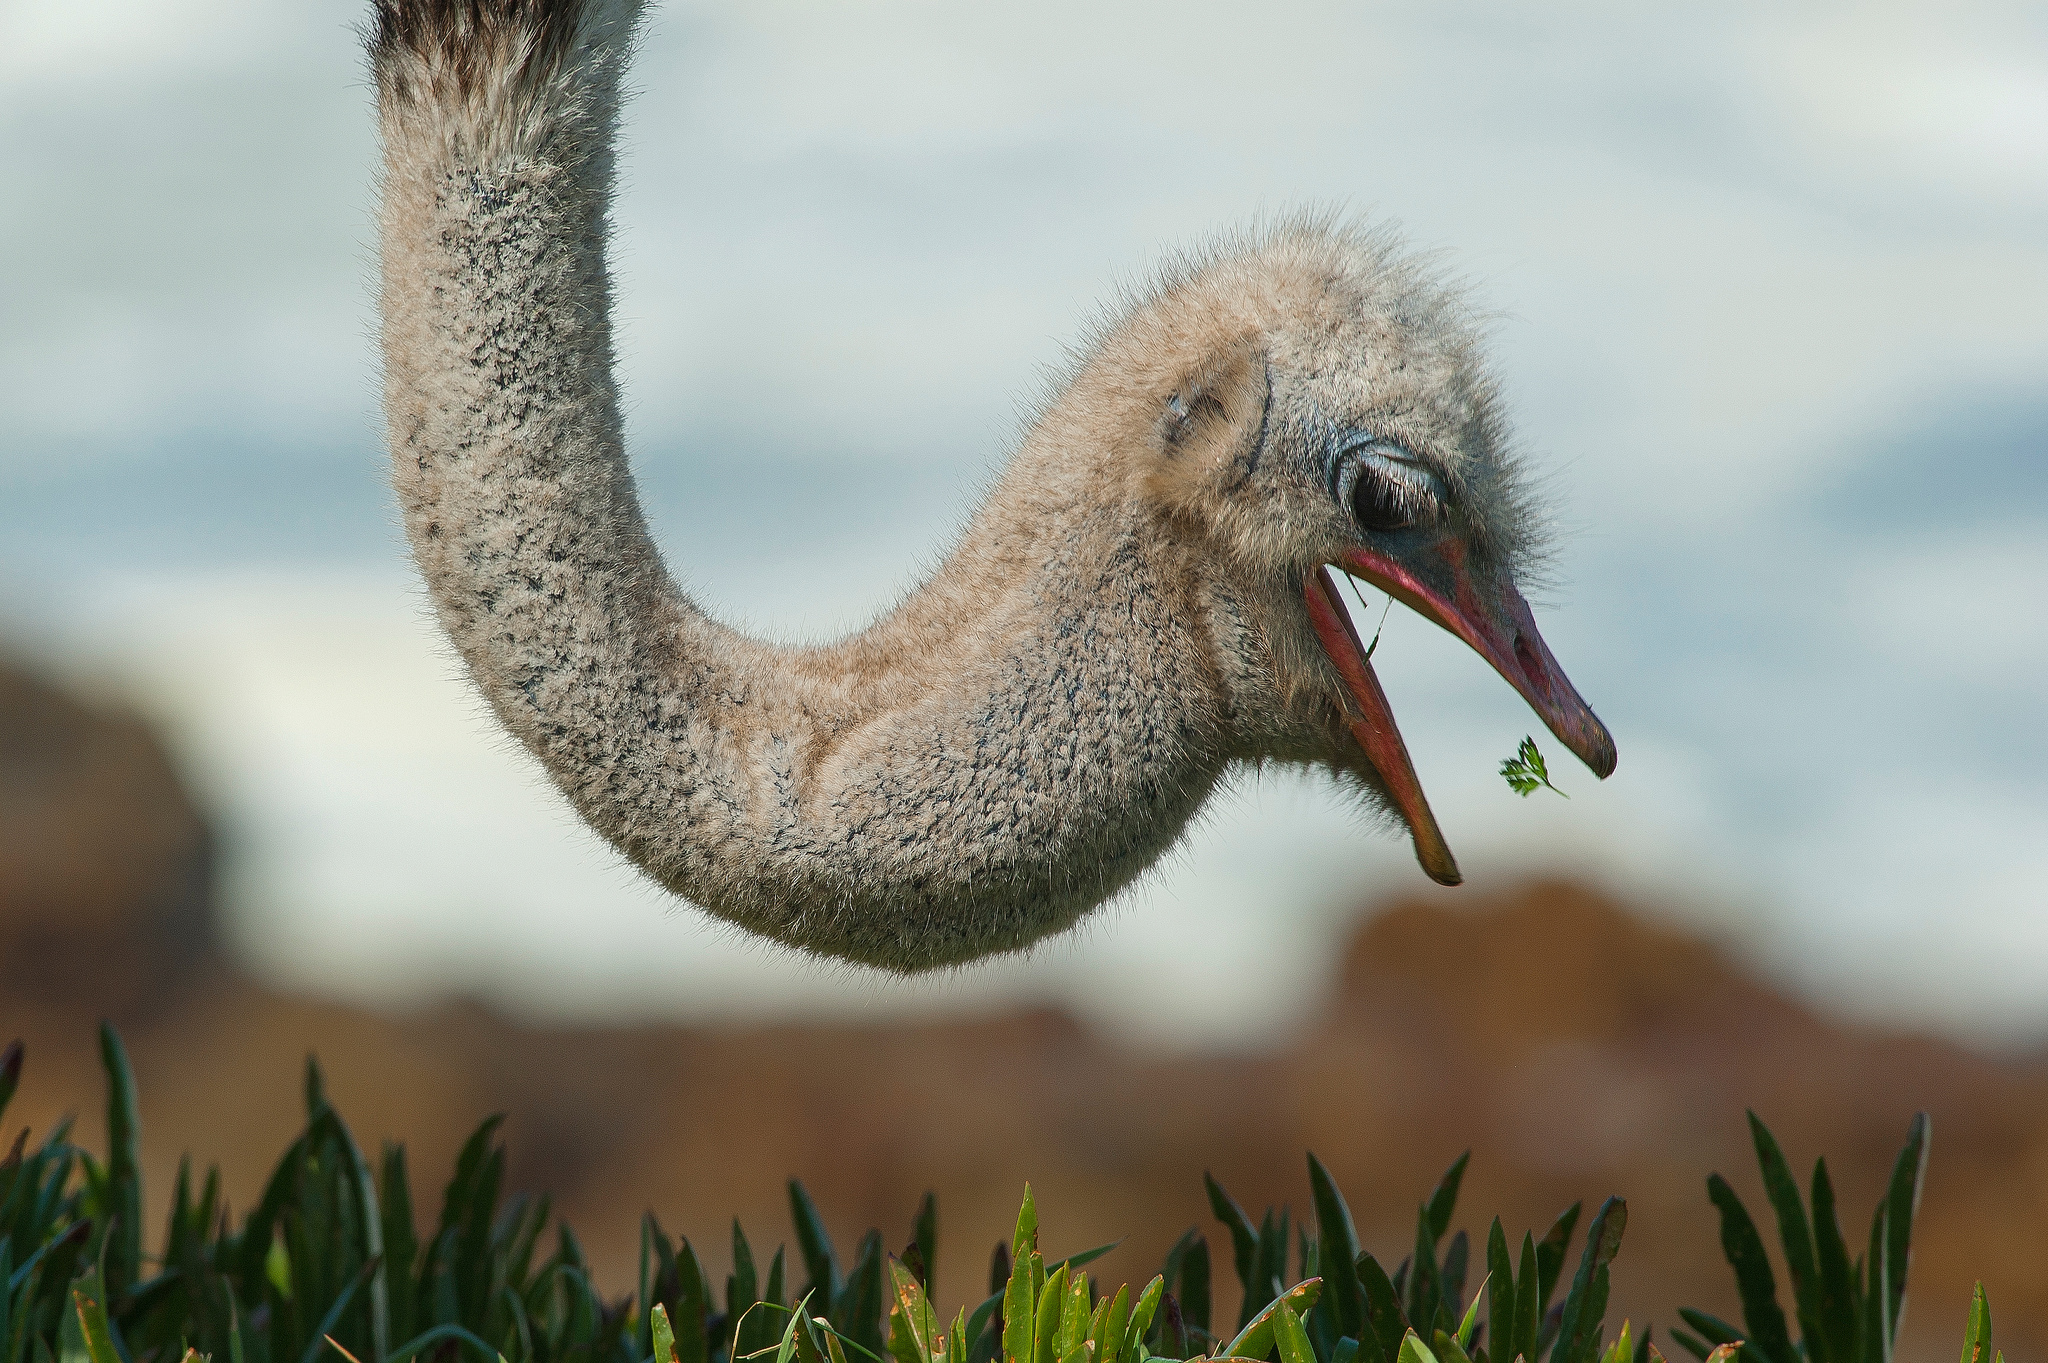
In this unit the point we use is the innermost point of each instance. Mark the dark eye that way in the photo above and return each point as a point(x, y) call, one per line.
point(1377, 504)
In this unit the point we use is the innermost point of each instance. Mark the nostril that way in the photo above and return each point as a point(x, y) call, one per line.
point(1531, 668)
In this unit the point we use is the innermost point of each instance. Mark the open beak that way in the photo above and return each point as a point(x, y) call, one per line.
point(1491, 616)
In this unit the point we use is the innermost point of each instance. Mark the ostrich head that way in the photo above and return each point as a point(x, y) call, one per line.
point(1313, 403)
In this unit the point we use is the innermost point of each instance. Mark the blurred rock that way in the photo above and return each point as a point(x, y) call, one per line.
point(105, 862)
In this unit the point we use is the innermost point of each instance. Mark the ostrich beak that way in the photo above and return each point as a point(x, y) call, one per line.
point(1374, 727)
point(1491, 616)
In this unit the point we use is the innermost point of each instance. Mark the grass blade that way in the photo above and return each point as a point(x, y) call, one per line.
point(693, 1308)
point(1795, 1235)
point(122, 1250)
point(1256, 1339)
point(1384, 1319)
point(1769, 1339)
point(1143, 1312)
point(1444, 1200)
point(1550, 1252)
point(1425, 1288)
point(1902, 1204)
point(1977, 1337)
point(1290, 1337)
point(664, 1335)
point(1110, 1343)
point(329, 1321)
point(1244, 1241)
point(1579, 1327)
point(1413, 1350)
point(1838, 1313)
point(1187, 1277)
point(1500, 1295)
point(1471, 1321)
point(814, 1245)
point(925, 1235)
point(1529, 1298)
point(89, 1303)
point(10, 1073)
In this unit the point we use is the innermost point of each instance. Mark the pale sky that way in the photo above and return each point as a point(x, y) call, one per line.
point(1773, 299)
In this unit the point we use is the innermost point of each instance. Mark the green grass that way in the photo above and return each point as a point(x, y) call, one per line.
point(334, 1264)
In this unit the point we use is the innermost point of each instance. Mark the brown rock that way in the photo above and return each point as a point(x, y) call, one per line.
point(105, 863)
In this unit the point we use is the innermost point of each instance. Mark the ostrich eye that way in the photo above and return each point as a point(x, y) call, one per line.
point(1377, 503)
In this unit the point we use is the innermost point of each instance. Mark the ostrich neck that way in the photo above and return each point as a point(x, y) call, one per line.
point(1014, 743)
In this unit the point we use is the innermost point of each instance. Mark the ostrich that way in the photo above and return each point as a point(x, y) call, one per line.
point(1147, 600)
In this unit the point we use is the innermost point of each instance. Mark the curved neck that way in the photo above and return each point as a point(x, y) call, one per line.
point(1016, 742)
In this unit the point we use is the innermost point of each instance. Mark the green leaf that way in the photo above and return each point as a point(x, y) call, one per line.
point(1413, 1350)
point(1754, 1283)
point(1290, 1337)
point(1020, 1307)
point(912, 1323)
point(1443, 1200)
point(1386, 1324)
point(330, 1321)
point(401, 1243)
point(1256, 1339)
point(1471, 1320)
point(814, 1245)
point(925, 1235)
point(1530, 1295)
point(1447, 1349)
point(1110, 1343)
point(1578, 1332)
point(1244, 1241)
point(1269, 1267)
point(1072, 1329)
point(1623, 1348)
point(421, 1342)
point(861, 1319)
point(1838, 1313)
point(786, 1350)
point(1337, 1239)
point(664, 1336)
point(1698, 1348)
point(1025, 1243)
point(1526, 771)
point(1550, 1252)
point(10, 1077)
point(987, 1319)
point(123, 1250)
point(1712, 1329)
point(1051, 1303)
point(743, 1284)
point(1795, 1235)
point(1876, 1323)
point(1425, 1288)
point(1085, 1257)
point(1143, 1312)
point(88, 1301)
point(1187, 1277)
point(1977, 1336)
point(693, 1307)
point(1902, 1204)
point(1500, 1295)
point(1451, 1276)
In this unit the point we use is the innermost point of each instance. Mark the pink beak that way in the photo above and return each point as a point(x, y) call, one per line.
point(1492, 617)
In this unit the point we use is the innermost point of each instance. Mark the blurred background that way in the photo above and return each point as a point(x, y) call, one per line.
point(1770, 287)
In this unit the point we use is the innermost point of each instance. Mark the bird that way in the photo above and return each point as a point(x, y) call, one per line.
point(1146, 603)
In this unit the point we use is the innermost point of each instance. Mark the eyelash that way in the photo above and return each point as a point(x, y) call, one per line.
point(1412, 486)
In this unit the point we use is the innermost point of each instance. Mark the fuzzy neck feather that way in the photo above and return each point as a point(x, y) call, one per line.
point(1018, 741)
